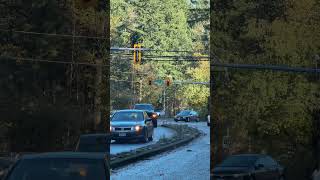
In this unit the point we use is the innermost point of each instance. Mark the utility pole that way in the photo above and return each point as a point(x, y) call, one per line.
point(317, 123)
point(140, 90)
point(164, 100)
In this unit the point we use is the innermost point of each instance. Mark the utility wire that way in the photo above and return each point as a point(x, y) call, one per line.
point(267, 67)
point(52, 34)
point(50, 61)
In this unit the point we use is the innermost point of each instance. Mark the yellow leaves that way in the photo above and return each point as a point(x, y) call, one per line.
point(200, 73)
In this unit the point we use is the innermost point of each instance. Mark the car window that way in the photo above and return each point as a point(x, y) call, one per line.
point(143, 107)
point(127, 116)
point(262, 161)
point(184, 113)
point(62, 169)
point(145, 116)
point(239, 161)
point(270, 162)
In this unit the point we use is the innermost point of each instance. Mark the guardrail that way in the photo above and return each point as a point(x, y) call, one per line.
point(185, 134)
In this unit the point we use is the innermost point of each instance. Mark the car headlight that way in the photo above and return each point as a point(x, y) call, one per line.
point(138, 128)
point(110, 128)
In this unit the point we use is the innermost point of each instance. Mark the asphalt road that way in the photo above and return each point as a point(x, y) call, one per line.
point(187, 162)
point(159, 132)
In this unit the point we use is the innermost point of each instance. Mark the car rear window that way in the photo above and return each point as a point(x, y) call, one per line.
point(62, 169)
point(239, 161)
point(184, 113)
point(143, 107)
point(127, 116)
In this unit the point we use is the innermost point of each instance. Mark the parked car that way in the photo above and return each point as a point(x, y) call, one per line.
point(93, 143)
point(5, 164)
point(208, 120)
point(187, 116)
point(130, 125)
point(150, 111)
point(60, 166)
point(249, 166)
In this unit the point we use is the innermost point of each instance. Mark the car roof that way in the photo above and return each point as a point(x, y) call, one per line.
point(130, 110)
point(250, 155)
point(144, 104)
point(73, 155)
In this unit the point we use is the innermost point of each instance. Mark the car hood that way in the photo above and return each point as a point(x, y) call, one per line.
point(231, 170)
point(126, 123)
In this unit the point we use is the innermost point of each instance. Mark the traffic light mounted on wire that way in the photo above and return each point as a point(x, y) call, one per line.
point(168, 82)
point(150, 82)
point(137, 54)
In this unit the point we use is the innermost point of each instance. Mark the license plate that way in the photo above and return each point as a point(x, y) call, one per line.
point(122, 134)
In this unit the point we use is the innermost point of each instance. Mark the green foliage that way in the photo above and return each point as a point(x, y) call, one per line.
point(162, 25)
point(273, 110)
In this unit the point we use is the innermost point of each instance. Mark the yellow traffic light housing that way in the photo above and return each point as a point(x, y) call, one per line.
point(137, 55)
point(168, 82)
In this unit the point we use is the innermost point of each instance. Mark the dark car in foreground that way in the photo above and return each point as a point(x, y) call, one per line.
point(248, 167)
point(94, 143)
point(150, 111)
point(187, 116)
point(131, 125)
point(5, 164)
point(60, 166)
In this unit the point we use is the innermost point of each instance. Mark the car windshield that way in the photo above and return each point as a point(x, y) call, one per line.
point(239, 161)
point(184, 113)
point(143, 107)
point(127, 116)
point(62, 169)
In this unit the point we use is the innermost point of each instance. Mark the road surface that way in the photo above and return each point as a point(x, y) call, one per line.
point(187, 162)
point(159, 132)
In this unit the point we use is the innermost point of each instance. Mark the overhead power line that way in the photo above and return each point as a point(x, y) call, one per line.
point(267, 67)
point(53, 34)
point(50, 61)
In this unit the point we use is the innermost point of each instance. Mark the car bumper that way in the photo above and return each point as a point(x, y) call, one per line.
point(128, 135)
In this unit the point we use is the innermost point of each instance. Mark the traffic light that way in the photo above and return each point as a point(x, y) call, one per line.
point(168, 82)
point(137, 55)
point(150, 82)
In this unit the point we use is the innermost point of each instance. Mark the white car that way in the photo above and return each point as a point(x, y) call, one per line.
point(208, 120)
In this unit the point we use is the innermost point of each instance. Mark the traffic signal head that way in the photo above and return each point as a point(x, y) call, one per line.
point(137, 54)
point(150, 82)
point(168, 82)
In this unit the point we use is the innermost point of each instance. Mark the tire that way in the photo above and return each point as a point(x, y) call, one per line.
point(150, 138)
point(145, 137)
point(187, 119)
point(197, 119)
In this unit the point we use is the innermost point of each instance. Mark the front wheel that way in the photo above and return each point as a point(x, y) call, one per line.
point(150, 138)
point(145, 138)
point(187, 119)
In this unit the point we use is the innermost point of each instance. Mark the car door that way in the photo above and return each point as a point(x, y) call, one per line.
point(261, 172)
point(192, 115)
point(272, 168)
